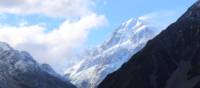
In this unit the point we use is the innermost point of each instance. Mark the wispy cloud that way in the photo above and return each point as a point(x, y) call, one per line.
point(161, 19)
point(55, 8)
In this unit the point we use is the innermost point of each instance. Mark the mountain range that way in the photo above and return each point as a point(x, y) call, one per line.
point(137, 55)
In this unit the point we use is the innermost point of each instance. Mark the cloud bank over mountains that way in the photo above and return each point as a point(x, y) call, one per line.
point(56, 46)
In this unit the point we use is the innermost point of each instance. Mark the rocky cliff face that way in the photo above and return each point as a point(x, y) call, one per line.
point(20, 70)
point(170, 60)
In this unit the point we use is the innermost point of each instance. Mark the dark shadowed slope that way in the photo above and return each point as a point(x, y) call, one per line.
point(20, 70)
point(171, 60)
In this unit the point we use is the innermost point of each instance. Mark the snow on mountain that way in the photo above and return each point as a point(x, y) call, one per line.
point(96, 64)
point(19, 70)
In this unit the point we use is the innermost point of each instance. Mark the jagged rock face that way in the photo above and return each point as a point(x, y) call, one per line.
point(170, 60)
point(20, 70)
point(128, 39)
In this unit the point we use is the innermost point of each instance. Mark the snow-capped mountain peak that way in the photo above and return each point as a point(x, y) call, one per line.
point(4, 47)
point(20, 70)
point(128, 39)
point(126, 25)
point(132, 24)
point(132, 29)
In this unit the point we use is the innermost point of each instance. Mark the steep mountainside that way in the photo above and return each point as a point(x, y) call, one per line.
point(170, 60)
point(19, 70)
point(128, 39)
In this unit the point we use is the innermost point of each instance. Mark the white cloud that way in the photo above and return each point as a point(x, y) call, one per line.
point(54, 8)
point(54, 47)
point(161, 19)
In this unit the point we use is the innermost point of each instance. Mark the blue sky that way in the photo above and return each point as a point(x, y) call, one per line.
point(53, 31)
point(118, 11)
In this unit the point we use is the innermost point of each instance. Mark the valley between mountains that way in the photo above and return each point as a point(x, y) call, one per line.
point(136, 55)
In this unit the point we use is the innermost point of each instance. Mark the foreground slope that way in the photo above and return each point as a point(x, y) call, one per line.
point(170, 60)
point(126, 40)
point(19, 70)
